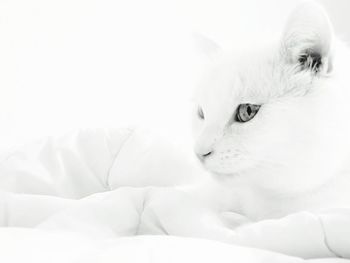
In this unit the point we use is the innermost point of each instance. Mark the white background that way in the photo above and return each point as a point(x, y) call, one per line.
point(72, 64)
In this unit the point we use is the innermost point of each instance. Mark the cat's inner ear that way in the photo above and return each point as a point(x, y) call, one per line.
point(307, 38)
point(205, 46)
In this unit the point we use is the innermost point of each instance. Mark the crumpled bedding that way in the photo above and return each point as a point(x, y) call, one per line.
point(107, 195)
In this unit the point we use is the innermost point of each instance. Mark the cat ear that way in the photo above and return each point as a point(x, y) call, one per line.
point(307, 38)
point(205, 46)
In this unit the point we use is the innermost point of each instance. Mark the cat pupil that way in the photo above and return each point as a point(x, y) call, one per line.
point(249, 110)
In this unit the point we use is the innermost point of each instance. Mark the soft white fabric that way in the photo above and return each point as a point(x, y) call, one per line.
point(84, 196)
point(36, 246)
point(90, 161)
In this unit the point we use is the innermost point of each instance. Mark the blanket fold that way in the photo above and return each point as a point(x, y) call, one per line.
point(109, 184)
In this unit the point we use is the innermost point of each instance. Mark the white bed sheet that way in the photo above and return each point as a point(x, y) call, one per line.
point(83, 198)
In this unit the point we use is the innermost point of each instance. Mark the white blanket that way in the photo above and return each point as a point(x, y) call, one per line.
point(84, 197)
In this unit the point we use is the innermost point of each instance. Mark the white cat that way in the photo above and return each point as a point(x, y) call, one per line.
point(272, 123)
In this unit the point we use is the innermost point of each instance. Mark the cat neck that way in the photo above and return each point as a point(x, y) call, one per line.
point(259, 204)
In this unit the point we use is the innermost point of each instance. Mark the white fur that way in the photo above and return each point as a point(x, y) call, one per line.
point(295, 154)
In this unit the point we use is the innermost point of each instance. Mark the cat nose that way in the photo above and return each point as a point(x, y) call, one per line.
point(202, 156)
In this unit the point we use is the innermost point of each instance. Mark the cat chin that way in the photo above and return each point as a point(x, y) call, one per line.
point(223, 176)
point(226, 178)
point(227, 170)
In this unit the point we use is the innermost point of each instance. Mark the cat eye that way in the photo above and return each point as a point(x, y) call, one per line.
point(246, 112)
point(200, 113)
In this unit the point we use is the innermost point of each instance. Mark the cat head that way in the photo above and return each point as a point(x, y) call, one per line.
point(272, 116)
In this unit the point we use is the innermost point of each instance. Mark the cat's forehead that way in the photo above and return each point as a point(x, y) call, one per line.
point(239, 78)
point(257, 77)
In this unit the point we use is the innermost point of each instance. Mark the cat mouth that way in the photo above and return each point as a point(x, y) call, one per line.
point(216, 172)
